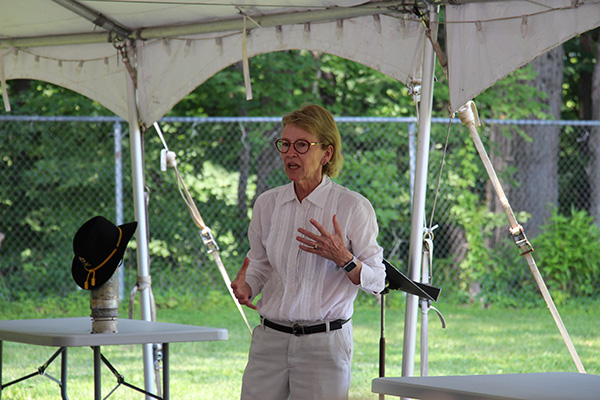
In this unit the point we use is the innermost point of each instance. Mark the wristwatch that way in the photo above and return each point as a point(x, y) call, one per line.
point(350, 265)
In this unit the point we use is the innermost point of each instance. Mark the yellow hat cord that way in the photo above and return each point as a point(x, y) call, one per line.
point(92, 271)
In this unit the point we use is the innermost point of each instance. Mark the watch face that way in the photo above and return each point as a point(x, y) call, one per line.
point(350, 266)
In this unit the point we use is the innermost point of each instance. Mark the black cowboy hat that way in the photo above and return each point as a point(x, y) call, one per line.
point(99, 246)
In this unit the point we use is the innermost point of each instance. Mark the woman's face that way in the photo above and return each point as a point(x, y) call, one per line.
point(304, 169)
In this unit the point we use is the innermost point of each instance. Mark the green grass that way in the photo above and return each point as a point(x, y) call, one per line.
point(476, 341)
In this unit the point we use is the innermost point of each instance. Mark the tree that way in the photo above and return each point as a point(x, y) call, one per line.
point(30, 97)
point(594, 142)
point(578, 78)
point(527, 160)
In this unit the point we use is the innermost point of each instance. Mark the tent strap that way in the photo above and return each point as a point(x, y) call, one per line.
point(3, 85)
point(468, 116)
point(245, 65)
point(205, 231)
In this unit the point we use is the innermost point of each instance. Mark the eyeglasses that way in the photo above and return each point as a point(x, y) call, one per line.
point(301, 146)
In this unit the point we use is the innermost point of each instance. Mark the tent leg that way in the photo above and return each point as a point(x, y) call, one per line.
point(418, 206)
point(118, 146)
point(143, 259)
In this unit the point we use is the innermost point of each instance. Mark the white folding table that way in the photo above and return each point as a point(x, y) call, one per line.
point(532, 386)
point(76, 332)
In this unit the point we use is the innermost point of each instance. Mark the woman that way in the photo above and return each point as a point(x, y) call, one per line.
point(312, 246)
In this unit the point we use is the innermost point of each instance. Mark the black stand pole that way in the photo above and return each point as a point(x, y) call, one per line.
point(396, 280)
point(382, 341)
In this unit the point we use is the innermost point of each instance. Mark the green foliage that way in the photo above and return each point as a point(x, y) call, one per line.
point(373, 170)
point(573, 161)
point(578, 68)
point(43, 98)
point(470, 212)
point(24, 305)
point(569, 253)
point(218, 171)
point(41, 203)
point(489, 275)
point(283, 81)
point(503, 100)
point(508, 282)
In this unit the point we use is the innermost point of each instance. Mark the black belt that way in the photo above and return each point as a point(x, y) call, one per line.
point(300, 330)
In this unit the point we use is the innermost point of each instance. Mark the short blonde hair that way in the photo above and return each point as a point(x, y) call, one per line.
point(318, 121)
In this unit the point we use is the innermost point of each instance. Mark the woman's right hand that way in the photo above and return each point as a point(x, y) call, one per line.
point(241, 288)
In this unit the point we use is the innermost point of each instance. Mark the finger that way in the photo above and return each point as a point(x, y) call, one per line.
point(243, 293)
point(319, 227)
point(249, 304)
point(336, 226)
point(246, 302)
point(306, 242)
point(308, 234)
point(241, 275)
point(245, 264)
point(310, 249)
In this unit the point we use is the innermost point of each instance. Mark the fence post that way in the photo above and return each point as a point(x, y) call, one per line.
point(118, 138)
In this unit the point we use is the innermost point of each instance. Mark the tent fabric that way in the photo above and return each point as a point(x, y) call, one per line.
point(169, 69)
point(488, 41)
point(484, 42)
point(172, 69)
point(30, 18)
point(93, 70)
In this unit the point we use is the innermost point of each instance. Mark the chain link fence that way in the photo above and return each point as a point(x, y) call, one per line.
point(56, 173)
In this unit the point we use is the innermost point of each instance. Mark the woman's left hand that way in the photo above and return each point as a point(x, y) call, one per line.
point(328, 245)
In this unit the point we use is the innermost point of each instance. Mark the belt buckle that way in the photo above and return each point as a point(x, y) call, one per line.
point(298, 330)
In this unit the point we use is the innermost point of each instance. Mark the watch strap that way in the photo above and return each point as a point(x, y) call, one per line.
point(350, 265)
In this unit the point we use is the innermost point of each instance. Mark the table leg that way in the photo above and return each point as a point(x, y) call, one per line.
point(165, 361)
point(63, 375)
point(97, 374)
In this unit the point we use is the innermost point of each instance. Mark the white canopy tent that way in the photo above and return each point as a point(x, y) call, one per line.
point(139, 58)
point(179, 44)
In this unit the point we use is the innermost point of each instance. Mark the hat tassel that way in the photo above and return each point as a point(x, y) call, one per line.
point(92, 271)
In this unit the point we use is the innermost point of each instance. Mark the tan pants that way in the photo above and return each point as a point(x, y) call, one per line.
point(309, 367)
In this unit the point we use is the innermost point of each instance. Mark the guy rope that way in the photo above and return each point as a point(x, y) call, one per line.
point(205, 231)
point(468, 116)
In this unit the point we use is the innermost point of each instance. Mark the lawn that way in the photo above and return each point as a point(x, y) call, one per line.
point(476, 341)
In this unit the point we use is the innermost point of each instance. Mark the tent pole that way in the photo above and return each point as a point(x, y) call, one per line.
point(118, 140)
point(143, 259)
point(418, 205)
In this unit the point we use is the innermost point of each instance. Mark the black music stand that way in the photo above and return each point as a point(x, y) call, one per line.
point(396, 280)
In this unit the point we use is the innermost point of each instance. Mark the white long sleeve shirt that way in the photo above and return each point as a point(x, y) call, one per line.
point(298, 286)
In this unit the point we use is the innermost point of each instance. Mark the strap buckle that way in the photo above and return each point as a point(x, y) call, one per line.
point(298, 330)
